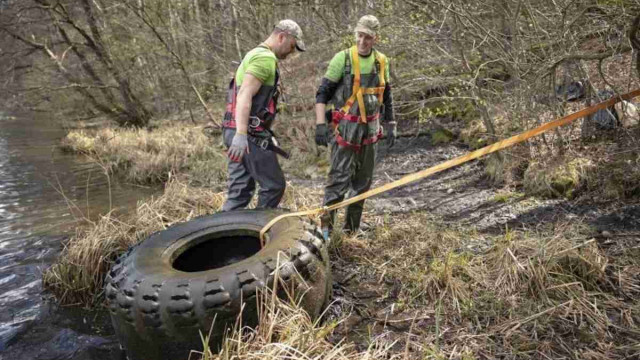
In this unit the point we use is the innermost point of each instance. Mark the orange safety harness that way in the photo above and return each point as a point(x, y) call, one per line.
point(357, 93)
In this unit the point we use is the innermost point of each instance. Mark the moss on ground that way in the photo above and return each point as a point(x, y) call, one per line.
point(441, 136)
point(559, 178)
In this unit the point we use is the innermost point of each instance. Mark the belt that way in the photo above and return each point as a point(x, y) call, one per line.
point(254, 124)
point(357, 147)
point(267, 144)
point(337, 115)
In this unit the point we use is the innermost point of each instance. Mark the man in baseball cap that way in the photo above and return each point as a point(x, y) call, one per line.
point(352, 126)
point(251, 109)
point(292, 28)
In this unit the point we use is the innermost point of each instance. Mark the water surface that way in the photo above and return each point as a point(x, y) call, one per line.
point(44, 193)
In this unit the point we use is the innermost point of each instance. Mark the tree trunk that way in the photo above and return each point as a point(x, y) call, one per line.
point(135, 114)
point(236, 29)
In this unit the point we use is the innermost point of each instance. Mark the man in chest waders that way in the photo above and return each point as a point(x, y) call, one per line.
point(357, 85)
point(251, 108)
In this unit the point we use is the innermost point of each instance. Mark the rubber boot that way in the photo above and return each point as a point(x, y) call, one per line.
point(352, 218)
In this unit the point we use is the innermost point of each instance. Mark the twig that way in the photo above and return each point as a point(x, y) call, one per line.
point(520, 266)
point(575, 247)
point(535, 316)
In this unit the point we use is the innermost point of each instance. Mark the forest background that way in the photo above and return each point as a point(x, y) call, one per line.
point(490, 67)
point(137, 81)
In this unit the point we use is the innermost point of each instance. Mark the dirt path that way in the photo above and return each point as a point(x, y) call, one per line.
point(463, 196)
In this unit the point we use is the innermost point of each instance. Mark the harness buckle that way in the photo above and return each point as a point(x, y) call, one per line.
point(254, 122)
point(264, 144)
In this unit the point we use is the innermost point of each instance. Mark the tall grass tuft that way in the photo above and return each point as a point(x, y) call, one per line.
point(151, 156)
point(77, 276)
point(286, 331)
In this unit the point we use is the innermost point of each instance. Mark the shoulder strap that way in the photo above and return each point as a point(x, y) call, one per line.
point(381, 62)
point(357, 91)
point(376, 63)
point(347, 63)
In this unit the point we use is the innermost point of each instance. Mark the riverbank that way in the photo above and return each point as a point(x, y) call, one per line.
point(451, 267)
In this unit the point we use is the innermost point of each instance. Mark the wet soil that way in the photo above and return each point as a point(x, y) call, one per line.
point(459, 196)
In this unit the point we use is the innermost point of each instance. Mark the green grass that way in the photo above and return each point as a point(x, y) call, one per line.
point(506, 196)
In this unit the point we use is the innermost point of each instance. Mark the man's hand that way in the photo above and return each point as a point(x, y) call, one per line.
point(239, 145)
point(391, 132)
point(322, 135)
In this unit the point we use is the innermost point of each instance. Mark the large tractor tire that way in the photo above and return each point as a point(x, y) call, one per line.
point(162, 293)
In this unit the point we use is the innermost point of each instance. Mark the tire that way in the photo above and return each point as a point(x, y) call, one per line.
point(162, 293)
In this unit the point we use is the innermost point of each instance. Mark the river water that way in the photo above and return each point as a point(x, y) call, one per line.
point(43, 194)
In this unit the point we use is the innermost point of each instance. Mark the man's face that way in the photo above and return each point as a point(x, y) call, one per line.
point(365, 43)
point(287, 45)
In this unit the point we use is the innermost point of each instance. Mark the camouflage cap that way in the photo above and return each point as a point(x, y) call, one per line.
point(368, 24)
point(292, 28)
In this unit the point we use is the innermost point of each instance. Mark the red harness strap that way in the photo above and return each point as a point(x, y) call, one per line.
point(254, 124)
point(337, 115)
point(372, 140)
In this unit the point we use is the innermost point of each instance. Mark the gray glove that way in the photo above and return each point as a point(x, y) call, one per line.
point(322, 135)
point(239, 145)
point(391, 131)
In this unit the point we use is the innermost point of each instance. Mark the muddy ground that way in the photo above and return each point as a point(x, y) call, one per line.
point(461, 196)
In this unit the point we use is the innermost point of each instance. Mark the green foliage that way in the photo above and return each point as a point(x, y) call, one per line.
point(504, 197)
point(559, 178)
point(441, 136)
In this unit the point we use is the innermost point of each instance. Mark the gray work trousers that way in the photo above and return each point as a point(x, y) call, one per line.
point(351, 171)
point(259, 166)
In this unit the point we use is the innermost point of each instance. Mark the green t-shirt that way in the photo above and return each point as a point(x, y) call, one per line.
point(261, 63)
point(336, 66)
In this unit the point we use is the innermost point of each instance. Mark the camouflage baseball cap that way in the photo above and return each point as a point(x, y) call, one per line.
point(292, 28)
point(368, 24)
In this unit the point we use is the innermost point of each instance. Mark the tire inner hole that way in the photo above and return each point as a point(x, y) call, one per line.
point(214, 251)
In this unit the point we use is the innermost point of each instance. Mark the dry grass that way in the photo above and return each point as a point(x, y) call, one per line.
point(286, 331)
point(146, 156)
point(553, 293)
point(77, 276)
point(151, 156)
point(557, 178)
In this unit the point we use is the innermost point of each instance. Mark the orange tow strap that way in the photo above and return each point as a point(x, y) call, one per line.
point(459, 160)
